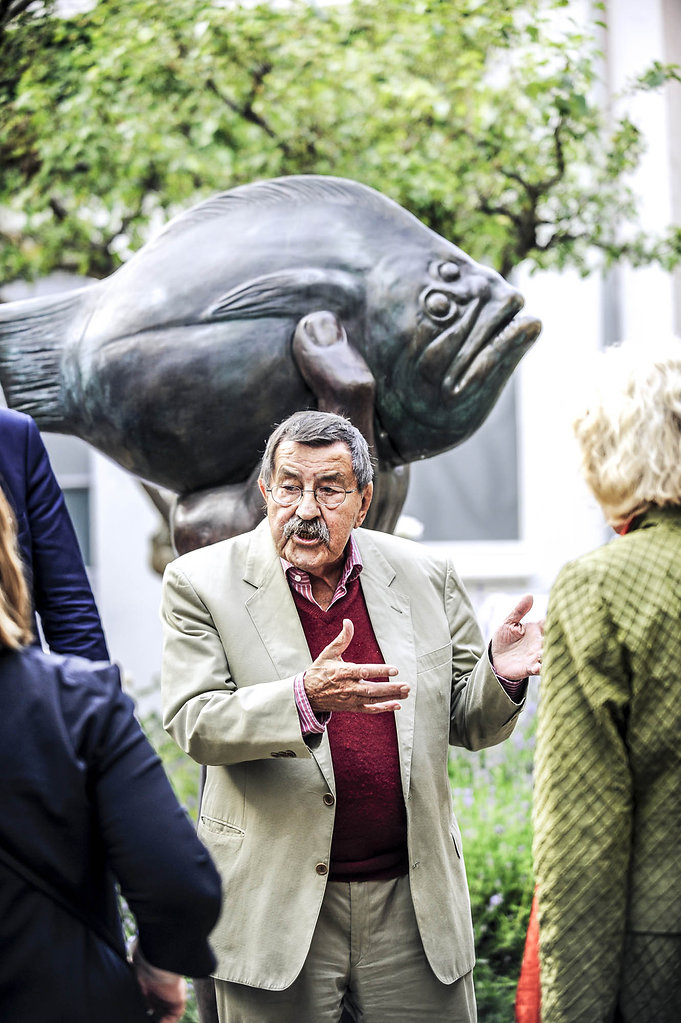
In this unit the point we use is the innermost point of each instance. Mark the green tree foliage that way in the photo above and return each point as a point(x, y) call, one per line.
point(480, 116)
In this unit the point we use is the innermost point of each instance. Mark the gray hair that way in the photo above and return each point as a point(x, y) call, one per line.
point(319, 429)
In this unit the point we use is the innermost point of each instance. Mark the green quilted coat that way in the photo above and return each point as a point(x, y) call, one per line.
point(607, 813)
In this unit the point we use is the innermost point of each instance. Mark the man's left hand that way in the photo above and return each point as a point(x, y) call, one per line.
point(517, 645)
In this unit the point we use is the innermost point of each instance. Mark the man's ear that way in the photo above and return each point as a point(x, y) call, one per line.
point(367, 494)
point(263, 488)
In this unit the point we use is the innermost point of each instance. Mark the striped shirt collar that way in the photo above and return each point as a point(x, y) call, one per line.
point(300, 581)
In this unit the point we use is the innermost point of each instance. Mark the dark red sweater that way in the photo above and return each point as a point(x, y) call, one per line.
point(370, 831)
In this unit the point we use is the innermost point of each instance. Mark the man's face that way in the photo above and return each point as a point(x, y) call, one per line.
point(309, 467)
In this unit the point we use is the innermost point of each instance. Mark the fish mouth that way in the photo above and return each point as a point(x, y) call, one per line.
point(477, 345)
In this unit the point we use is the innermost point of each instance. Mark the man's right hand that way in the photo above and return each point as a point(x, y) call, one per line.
point(334, 684)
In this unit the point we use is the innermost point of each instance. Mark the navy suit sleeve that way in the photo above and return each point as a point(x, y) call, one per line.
point(165, 872)
point(61, 590)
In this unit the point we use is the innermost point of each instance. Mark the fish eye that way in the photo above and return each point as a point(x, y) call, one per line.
point(438, 305)
point(449, 271)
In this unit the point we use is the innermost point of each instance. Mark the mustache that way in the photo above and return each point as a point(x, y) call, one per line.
point(308, 529)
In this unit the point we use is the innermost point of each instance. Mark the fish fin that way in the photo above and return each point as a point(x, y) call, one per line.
point(287, 293)
point(32, 336)
point(296, 188)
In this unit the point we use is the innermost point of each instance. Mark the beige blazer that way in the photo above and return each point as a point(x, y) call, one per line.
point(233, 643)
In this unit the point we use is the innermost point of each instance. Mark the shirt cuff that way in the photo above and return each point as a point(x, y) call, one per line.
point(513, 687)
point(309, 722)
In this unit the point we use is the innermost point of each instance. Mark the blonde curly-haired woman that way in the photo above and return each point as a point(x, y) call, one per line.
point(607, 810)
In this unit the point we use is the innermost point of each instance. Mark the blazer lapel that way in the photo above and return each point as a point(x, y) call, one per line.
point(271, 606)
point(390, 614)
point(276, 620)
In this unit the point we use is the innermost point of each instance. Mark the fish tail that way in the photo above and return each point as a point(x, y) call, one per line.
point(32, 337)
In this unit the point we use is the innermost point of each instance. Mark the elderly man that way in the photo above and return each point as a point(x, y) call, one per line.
point(321, 672)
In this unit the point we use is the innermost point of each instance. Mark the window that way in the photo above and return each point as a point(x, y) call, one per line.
point(70, 458)
point(471, 492)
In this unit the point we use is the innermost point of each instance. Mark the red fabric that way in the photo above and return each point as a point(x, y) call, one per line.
point(370, 830)
point(528, 993)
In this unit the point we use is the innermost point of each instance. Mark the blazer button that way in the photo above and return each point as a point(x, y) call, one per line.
point(322, 869)
point(329, 799)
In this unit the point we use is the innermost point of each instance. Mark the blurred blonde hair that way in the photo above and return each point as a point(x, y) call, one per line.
point(16, 614)
point(630, 430)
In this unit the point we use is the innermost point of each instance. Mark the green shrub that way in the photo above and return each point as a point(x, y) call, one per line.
point(492, 792)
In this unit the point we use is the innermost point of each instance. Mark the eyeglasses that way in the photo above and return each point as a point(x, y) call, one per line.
point(286, 495)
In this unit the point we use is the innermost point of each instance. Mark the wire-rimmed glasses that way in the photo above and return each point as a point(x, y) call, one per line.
point(288, 494)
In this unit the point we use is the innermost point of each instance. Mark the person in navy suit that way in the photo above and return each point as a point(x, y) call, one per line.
point(53, 563)
point(85, 804)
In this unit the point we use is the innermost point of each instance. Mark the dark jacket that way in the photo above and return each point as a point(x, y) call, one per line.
point(85, 801)
point(49, 548)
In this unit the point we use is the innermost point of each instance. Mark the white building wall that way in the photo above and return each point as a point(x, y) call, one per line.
point(559, 518)
point(128, 591)
point(636, 37)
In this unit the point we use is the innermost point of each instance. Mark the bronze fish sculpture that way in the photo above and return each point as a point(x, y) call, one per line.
point(178, 364)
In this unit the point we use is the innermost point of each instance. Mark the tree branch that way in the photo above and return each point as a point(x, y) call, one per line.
point(246, 110)
point(60, 212)
point(526, 221)
point(123, 226)
point(561, 237)
point(500, 211)
point(538, 188)
point(548, 183)
point(10, 9)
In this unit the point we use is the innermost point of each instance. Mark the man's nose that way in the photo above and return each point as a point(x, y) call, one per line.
point(307, 506)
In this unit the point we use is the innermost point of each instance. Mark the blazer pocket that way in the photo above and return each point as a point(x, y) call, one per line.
point(434, 658)
point(218, 827)
point(456, 837)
